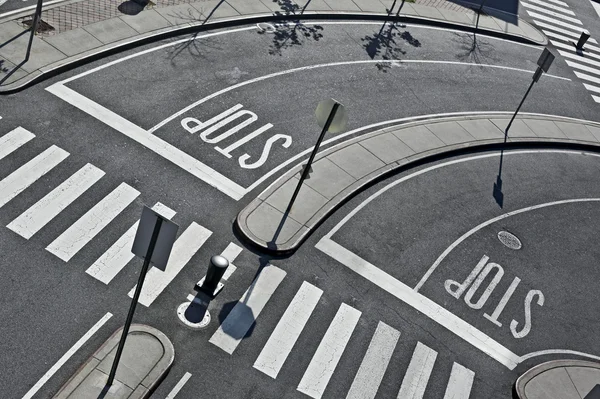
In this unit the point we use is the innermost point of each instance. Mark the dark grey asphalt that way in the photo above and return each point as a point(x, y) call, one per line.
point(11, 5)
point(48, 304)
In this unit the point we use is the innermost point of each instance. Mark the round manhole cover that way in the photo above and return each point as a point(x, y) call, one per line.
point(509, 240)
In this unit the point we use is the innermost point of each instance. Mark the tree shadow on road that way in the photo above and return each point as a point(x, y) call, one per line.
point(293, 34)
point(473, 50)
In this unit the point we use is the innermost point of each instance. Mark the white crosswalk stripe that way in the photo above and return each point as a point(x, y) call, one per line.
point(13, 140)
point(26, 175)
point(596, 98)
point(46, 209)
point(555, 21)
point(560, 3)
point(582, 67)
point(89, 225)
point(551, 30)
point(587, 77)
point(552, 7)
point(328, 354)
point(111, 262)
point(592, 88)
point(579, 58)
point(552, 13)
point(572, 48)
point(418, 372)
point(237, 323)
point(460, 383)
point(188, 243)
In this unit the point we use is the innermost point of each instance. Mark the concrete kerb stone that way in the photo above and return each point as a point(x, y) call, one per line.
point(413, 160)
point(536, 371)
point(82, 383)
point(200, 26)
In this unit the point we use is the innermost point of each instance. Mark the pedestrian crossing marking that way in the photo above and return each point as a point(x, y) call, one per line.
point(89, 225)
point(418, 373)
point(230, 253)
point(328, 354)
point(288, 329)
point(560, 3)
point(552, 13)
point(186, 246)
point(13, 140)
point(552, 7)
point(244, 313)
point(576, 28)
point(373, 366)
point(582, 67)
point(572, 48)
point(460, 383)
point(13, 184)
point(572, 35)
point(587, 77)
point(579, 58)
point(111, 262)
point(46, 209)
point(592, 88)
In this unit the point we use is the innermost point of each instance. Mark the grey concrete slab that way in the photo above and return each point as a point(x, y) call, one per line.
point(93, 385)
point(584, 378)
point(139, 356)
point(406, 9)
point(73, 42)
point(316, 5)
point(245, 7)
point(486, 22)
point(419, 138)
point(425, 11)
point(517, 129)
point(328, 179)
point(9, 30)
point(481, 129)
point(146, 21)
point(180, 14)
point(215, 8)
point(78, 379)
point(450, 132)
point(6, 66)
point(41, 54)
point(594, 130)
point(110, 30)
point(370, 6)
point(356, 161)
point(508, 27)
point(575, 131)
point(554, 383)
point(531, 32)
point(342, 5)
point(387, 147)
point(544, 128)
point(307, 203)
point(456, 16)
point(290, 7)
point(264, 222)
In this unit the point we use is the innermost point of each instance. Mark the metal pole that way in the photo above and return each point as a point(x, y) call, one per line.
point(136, 296)
point(312, 155)
point(535, 77)
point(36, 20)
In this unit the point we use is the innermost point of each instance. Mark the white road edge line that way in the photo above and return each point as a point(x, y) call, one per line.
point(67, 356)
point(179, 385)
point(46, 3)
point(417, 375)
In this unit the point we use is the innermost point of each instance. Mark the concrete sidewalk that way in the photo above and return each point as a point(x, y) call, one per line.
point(342, 170)
point(147, 356)
point(564, 379)
point(77, 31)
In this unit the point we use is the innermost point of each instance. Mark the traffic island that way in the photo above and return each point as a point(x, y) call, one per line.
point(147, 356)
point(565, 379)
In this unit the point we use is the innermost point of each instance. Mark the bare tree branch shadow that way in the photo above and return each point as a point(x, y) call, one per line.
point(288, 7)
point(386, 44)
point(294, 34)
point(475, 50)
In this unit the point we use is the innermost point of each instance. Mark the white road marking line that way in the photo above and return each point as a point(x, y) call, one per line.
point(574, 36)
point(13, 140)
point(578, 58)
point(571, 40)
point(419, 302)
point(373, 366)
point(111, 262)
point(582, 67)
point(230, 253)
point(186, 246)
point(572, 48)
point(596, 98)
point(13, 184)
point(558, 352)
point(288, 329)
point(491, 221)
point(460, 383)
point(46, 4)
point(89, 225)
point(553, 7)
point(244, 313)
point(418, 373)
point(328, 354)
point(150, 141)
point(179, 385)
point(562, 24)
point(592, 88)
point(596, 6)
point(560, 3)
point(587, 77)
point(42, 212)
point(66, 356)
point(552, 13)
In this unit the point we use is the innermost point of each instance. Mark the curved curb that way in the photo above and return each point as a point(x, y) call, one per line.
point(535, 371)
point(296, 239)
point(145, 387)
point(126, 44)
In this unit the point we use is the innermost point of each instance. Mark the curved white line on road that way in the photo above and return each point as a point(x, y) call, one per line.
point(557, 352)
point(487, 223)
point(333, 64)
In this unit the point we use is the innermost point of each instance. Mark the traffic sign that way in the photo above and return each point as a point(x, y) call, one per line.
point(340, 119)
point(164, 242)
point(545, 60)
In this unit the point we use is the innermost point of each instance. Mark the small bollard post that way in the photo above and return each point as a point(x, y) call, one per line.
point(216, 269)
point(585, 35)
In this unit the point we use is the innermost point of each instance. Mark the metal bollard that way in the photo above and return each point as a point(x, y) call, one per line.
point(216, 269)
point(585, 35)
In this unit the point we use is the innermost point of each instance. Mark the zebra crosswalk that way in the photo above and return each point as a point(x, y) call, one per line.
point(314, 379)
point(95, 220)
point(563, 28)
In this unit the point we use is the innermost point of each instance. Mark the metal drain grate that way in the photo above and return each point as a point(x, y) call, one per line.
point(509, 240)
